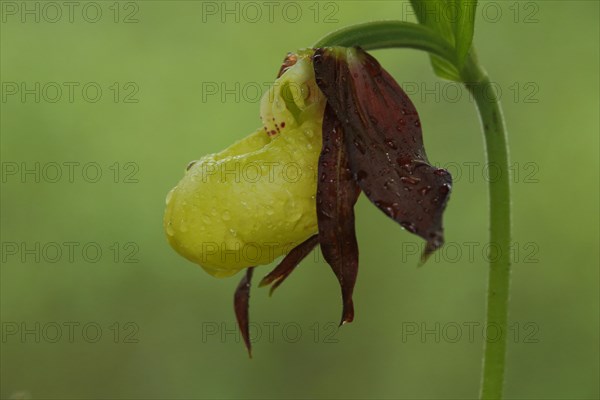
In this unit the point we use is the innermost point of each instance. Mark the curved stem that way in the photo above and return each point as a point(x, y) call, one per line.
point(496, 143)
point(397, 34)
point(390, 34)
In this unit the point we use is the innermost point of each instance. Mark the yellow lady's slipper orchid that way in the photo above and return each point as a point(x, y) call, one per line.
point(335, 124)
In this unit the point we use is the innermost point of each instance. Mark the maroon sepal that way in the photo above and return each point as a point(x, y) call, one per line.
point(337, 193)
point(289, 263)
point(241, 300)
point(384, 142)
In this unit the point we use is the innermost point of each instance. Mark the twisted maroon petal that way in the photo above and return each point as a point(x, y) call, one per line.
point(384, 142)
point(289, 263)
point(241, 303)
point(337, 193)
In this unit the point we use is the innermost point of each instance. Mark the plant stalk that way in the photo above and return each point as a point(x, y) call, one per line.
point(498, 291)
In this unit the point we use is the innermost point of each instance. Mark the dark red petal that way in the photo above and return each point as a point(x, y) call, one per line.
point(241, 300)
point(289, 263)
point(337, 193)
point(384, 141)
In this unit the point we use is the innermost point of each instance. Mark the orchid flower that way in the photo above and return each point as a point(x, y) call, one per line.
point(347, 127)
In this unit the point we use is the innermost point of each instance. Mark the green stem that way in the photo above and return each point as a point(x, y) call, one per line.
point(389, 34)
point(496, 143)
point(397, 34)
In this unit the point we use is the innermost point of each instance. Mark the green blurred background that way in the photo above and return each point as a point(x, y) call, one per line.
point(175, 323)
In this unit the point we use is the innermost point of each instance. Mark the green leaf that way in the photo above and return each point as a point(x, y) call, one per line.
point(454, 21)
point(464, 26)
point(437, 15)
point(444, 69)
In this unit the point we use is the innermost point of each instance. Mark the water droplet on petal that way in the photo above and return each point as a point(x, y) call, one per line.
point(411, 180)
point(170, 230)
point(359, 146)
point(409, 226)
point(425, 190)
point(183, 226)
point(389, 183)
point(169, 196)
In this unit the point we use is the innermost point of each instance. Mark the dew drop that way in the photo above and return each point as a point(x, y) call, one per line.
point(403, 161)
point(169, 196)
point(389, 183)
point(391, 143)
point(183, 226)
point(279, 105)
point(409, 226)
point(226, 216)
point(411, 180)
point(170, 230)
point(294, 216)
point(359, 147)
